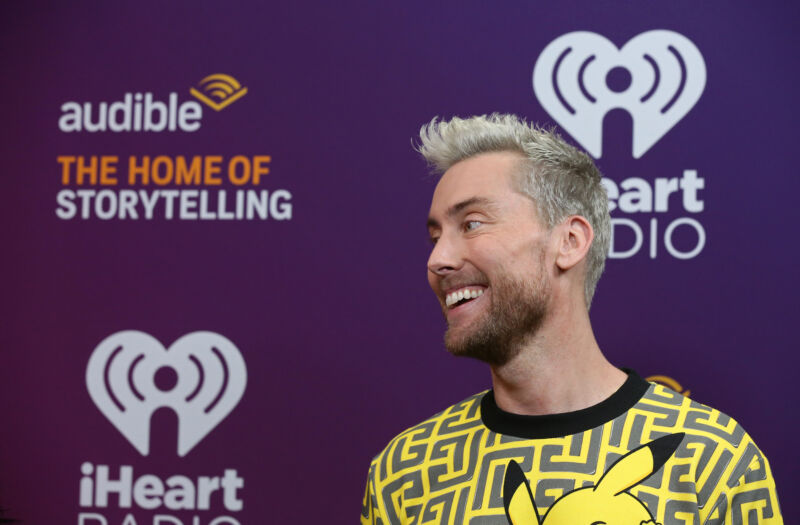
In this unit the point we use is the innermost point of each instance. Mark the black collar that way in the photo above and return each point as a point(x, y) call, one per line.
point(567, 423)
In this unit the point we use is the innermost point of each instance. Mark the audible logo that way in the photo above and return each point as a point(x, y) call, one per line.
point(143, 112)
point(135, 112)
point(219, 91)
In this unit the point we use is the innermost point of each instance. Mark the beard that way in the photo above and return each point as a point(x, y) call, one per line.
point(516, 311)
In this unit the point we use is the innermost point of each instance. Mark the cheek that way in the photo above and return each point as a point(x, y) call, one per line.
point(530, 256)
point(510, 267)
point(432, 281)
point(493, 260)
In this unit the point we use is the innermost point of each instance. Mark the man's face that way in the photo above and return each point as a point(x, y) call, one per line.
point(488, 265)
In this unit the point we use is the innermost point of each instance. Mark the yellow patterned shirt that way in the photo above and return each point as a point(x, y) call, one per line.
point(646, 455)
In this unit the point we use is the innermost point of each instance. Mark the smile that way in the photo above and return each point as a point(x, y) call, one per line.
point(462, 295)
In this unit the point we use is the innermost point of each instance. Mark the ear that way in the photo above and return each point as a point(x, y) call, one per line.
point(517, 497)
point(638, 464)
point(575, 236)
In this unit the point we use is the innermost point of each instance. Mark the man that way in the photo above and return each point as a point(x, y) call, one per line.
point(520, 226)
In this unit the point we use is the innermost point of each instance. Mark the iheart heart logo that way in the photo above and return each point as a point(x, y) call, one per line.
point(657, 77)
point(202, 377)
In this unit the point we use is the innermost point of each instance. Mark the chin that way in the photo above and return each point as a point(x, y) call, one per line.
point(482, 345)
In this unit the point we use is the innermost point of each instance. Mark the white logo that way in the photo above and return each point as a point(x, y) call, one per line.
point(202, 378)
point(135, 112)
point(657, 77)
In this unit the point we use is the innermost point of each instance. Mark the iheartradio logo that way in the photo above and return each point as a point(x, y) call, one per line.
point(201, 377)
point(657, 77)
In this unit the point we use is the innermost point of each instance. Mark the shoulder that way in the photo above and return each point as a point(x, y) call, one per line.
point(411, 448)
point(672, 411)
point(398, 474)
point(728, 469)
point(669, 411)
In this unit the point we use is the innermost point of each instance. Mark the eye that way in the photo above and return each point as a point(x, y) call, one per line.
point(433, 240)
point(471, 225)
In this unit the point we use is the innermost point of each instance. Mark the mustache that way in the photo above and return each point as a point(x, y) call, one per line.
point(457, 281)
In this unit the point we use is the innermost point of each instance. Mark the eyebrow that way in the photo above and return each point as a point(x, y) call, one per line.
point(456, 208)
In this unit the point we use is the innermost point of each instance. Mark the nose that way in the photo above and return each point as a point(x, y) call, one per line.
point(446, 256)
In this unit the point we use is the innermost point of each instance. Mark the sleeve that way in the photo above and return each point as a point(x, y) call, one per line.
point(370, 514)
point(745, 493)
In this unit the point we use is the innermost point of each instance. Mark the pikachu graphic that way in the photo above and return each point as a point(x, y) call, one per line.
point(606, 503)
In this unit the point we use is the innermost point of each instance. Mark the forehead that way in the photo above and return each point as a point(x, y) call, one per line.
point(488, 175)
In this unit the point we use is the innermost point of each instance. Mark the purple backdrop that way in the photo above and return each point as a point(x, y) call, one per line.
point(329, 307)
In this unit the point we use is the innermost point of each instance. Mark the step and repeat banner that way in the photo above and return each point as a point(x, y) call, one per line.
point(215, 305)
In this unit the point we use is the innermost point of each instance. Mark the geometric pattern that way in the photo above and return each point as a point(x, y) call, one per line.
point(450, 468)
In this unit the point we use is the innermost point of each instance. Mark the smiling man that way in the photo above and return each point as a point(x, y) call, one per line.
point(520, 229)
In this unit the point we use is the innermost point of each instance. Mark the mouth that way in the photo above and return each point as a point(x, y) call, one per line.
point(462, 296)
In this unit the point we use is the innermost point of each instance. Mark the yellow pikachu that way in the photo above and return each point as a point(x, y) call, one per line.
point(607, 502)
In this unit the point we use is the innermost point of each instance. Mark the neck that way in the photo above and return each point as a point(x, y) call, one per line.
point(559, 369)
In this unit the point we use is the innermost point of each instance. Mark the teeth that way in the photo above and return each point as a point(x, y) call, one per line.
point(460, 295)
